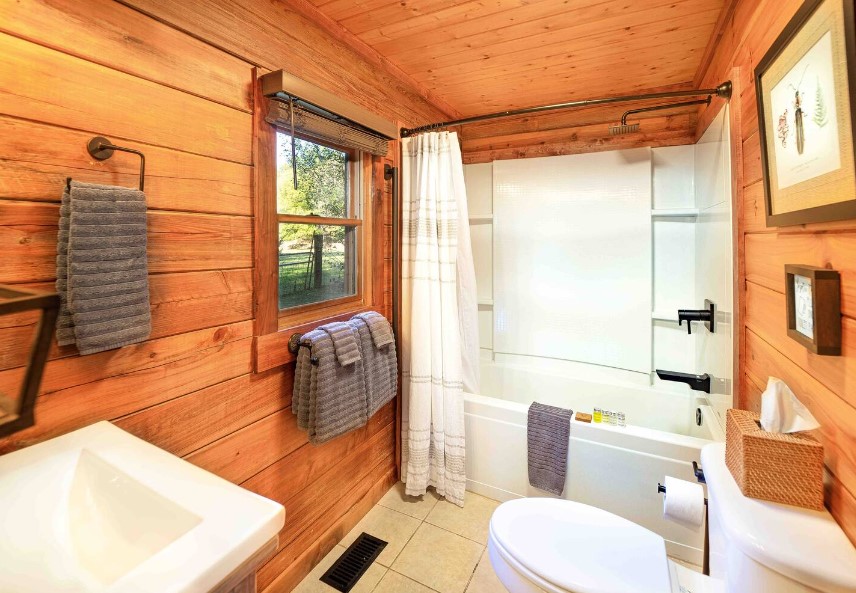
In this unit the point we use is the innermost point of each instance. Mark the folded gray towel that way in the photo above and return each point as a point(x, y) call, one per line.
point(380, 366)
point(354, 374)
point(548, 432)
point(337, 394)
point(304, 379)
point(380, 328)
point(344, 342)
point(102, 268)
point(64, 323)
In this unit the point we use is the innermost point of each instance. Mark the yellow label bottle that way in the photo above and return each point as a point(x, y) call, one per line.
point(598, 415)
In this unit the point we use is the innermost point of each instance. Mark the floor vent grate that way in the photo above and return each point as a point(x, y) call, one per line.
point(353, 563)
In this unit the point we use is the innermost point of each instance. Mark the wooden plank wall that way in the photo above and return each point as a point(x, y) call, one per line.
point(174, 79)
point(571, 132)
point(824, 383)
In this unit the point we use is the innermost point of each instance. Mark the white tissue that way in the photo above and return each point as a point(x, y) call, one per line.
point(684, 502)
point(781, 411)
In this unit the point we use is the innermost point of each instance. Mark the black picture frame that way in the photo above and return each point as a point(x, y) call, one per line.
point(842, 210)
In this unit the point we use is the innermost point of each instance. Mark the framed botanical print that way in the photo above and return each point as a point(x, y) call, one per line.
point(806, 90)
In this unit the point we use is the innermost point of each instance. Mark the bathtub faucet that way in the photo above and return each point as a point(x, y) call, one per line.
point(696, 382)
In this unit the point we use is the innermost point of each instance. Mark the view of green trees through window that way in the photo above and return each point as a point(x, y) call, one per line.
point(316, 262)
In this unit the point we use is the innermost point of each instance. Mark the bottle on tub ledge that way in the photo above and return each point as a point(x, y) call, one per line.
point(601, 416)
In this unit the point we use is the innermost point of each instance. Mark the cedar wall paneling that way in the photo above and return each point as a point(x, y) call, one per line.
point(174, 79)
point(824, 383)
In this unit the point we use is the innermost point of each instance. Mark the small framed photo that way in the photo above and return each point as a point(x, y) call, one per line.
point(806, 92)
point(814, 308)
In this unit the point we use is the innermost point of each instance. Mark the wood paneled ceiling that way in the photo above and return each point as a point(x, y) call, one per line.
point(480, 56)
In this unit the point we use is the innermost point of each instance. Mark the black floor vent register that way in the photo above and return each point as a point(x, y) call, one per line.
point(353, 563)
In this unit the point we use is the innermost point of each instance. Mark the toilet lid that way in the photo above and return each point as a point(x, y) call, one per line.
point(580, 548)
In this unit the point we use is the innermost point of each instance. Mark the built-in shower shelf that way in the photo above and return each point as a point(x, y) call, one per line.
point(485, 302)
point(675, 213)
point(481, 218)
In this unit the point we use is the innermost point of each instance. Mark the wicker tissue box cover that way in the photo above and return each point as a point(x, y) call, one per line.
point(785, 468)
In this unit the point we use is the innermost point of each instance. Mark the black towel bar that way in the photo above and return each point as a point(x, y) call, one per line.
point(294, 344)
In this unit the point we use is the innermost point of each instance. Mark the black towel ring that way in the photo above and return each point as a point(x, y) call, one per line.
point(102, 149)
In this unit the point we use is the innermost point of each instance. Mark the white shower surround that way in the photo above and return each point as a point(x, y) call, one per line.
point(572, 258)
point(614, 468)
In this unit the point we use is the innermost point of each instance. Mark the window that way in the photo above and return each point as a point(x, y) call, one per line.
point(319, 224)
point(322, 251)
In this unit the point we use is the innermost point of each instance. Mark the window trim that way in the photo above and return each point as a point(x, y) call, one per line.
point(272, 331)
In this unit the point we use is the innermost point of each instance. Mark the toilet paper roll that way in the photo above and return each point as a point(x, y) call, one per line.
point(684, 502)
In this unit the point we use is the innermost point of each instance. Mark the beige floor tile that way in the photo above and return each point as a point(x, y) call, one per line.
point(471, 521)
point(391, 526)
point(366, 584)
point(439, 559)
point(414, 506)
point(485, 579)
point(392, 582)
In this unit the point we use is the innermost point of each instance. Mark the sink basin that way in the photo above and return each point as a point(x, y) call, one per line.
point(99, 510)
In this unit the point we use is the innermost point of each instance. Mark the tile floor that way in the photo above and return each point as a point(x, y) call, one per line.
point(433, 547)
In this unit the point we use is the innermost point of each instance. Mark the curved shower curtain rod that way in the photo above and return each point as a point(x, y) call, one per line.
point(723, 90)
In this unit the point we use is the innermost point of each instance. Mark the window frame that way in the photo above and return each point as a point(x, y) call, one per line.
point(359, 190)
point(271, 332)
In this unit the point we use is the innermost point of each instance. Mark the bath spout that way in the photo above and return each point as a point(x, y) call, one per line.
point(696, 382)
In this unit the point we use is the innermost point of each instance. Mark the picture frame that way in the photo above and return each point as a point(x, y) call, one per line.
point(805, 87)
point(813, 297)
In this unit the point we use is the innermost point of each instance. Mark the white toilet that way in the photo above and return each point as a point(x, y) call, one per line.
point(539, 545)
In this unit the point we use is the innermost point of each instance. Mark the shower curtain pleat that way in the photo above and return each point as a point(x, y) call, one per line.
point(433, 273)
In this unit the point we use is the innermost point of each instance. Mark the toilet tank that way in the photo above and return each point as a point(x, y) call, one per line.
point(766, 547)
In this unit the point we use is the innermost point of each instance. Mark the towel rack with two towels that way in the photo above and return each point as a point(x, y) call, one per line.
point(101, 149)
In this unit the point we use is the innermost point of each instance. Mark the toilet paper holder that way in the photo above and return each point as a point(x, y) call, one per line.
point(699, 474)
point(697, 471)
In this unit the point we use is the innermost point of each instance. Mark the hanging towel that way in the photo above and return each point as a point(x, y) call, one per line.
point(337, 393)
point(64, 324)
point(379, 327)
point(344, 342)
point(548, 432)
point(303, 377)
point(102, 268)
point(379, 362)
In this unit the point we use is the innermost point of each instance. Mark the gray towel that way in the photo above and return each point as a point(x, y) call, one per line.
point(379, 364)
point(344, 342)
point(303, 377)
point(548, 432)
point(64, 323)
point(337, 393)
point(380, 328)
point(102, 268)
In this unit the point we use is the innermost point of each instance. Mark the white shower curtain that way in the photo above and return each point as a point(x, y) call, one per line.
point(438, 315)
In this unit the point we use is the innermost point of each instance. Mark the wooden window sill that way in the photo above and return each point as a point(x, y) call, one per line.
point(271, 350)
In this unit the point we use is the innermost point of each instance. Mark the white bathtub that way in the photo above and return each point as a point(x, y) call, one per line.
point(613, 468)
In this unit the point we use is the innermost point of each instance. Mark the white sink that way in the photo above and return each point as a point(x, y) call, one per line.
point(99, 510)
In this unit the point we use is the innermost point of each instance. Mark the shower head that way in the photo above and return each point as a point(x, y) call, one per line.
point(623, 128)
